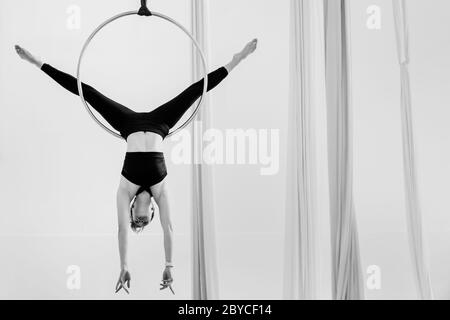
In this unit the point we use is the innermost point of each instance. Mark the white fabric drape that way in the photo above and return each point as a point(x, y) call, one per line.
point(414, 215)
point(346, 268)
point(204, 260)
point(300, 271)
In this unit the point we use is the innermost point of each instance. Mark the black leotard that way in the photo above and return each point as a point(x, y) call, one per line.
point(144, 169)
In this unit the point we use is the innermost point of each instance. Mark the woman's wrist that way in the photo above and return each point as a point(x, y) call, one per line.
point(169, 264)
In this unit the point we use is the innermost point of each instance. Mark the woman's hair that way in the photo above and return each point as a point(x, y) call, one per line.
point(138, 224)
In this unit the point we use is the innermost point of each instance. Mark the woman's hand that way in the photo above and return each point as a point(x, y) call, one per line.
point(124, 281)
point(167, 280)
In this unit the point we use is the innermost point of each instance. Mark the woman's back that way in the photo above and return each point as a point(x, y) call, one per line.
point(144, 142)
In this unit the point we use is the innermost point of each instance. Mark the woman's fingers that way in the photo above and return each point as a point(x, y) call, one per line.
point(170, 287)
point(167, 284)
point(124, 282)
point(163, 285)
point(122, 287)
point(118, 284)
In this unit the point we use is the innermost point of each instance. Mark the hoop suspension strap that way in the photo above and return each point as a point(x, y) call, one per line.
point(143, 11)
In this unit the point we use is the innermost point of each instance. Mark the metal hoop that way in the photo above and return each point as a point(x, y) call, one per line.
point(164, 17)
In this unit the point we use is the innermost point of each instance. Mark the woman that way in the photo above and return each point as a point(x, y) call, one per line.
point(144, 170)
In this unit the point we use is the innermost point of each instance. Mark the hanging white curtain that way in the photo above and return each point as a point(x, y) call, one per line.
point(306, 51)
point(346, 268)
point(204, 268)
point(414, 215)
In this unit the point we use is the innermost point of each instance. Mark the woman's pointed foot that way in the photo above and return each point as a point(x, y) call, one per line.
point(238, 57)
point(248, 49)
point(24, 54)
point(27, 56)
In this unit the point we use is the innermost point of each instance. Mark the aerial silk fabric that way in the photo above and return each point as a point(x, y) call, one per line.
point(346, 266)
point(413, 210)
point(204, 260)
point(300, 269)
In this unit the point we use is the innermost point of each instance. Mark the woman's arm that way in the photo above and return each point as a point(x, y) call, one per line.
point(123, 213)
point(123, 207)
point(166, 225)
point(160, 195)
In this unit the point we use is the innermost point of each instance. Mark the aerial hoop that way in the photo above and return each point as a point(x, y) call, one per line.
point(143, 11)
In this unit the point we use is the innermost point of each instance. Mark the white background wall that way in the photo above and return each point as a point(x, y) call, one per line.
point(379, 194)
point(59, 171)
point(62, 195)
